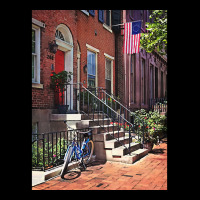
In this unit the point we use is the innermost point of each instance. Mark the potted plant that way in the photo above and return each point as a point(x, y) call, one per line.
point(58, 83)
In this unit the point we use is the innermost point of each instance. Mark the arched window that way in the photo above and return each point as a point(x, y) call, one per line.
point(59, 35)
point(64, 34)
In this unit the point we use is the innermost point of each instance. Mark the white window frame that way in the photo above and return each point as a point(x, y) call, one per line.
point(94, 50)
point(107, 27)
point(111, 58)
point(37, 54)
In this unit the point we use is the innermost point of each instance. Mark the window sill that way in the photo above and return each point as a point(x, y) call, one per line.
point(37, 85)
point(107, 27)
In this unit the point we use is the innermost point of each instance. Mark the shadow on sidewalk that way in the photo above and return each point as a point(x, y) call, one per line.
point(72, 174)
point(75, 173)
point(157, 151)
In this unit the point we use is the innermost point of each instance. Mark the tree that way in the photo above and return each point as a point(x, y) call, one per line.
point(156, 37)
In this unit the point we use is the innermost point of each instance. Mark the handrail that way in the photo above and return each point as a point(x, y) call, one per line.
point(101, 105)
point(131, 113)
point(106, 105)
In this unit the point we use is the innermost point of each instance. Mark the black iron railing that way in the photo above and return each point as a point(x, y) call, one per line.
point(97, 104)
point(158, 104)
point(48, 149)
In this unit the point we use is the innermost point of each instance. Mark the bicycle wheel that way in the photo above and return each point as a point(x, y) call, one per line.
point(88, 151)
point(67, 160)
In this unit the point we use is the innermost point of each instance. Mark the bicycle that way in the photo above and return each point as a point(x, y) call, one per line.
point(83, 154)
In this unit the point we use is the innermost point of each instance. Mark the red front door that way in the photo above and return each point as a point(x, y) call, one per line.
point(59, 66)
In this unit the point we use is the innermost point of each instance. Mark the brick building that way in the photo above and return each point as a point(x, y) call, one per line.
point(142, 76)
point(92, 49)
point(86, 47)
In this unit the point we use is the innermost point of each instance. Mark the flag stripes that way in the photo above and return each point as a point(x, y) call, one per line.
point(131, 41)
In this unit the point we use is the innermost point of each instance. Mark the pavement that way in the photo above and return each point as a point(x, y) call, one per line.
point(149, 173)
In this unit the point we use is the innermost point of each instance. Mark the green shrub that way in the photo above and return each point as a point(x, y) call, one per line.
point(153, 124)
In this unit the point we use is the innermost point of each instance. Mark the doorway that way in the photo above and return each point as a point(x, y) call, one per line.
point(64, 58)
point(59, 66)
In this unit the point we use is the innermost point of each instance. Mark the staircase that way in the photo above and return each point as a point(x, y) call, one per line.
point(111, 142)
point(107, 117)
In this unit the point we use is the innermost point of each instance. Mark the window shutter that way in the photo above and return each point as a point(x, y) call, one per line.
point(92, 12)
point(101, 15)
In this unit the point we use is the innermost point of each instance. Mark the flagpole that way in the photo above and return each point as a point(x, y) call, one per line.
point(127, 22)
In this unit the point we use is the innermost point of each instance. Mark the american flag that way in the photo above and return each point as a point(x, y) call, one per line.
point(132, 37)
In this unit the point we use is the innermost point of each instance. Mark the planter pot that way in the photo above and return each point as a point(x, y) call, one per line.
point(148, 146)
point(62, 109)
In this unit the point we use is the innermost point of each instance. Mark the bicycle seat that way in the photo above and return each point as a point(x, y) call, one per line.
point(86, 133)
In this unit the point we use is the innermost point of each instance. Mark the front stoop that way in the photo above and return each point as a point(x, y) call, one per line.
point(106, 145)
point(121, 153)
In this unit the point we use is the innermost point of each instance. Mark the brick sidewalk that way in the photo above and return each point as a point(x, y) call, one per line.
point(149, 173)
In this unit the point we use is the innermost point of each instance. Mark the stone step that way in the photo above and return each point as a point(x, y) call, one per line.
point(106, 128)
point(134, 156)
point(98, 122)
point(112, 135)
point(91, 116)
point(90, 123)
point(121, 151)
point(128, 158)
point(114, 143)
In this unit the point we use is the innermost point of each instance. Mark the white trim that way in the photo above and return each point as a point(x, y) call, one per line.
point(38, 23)
point(108, 56)
point(94, 50)
point(37, 53)
point(107, 27)
point(111, 59)
point(91, 48)
point(37, 85)
point(63, 46)
point(85, 12)
point(66, 34)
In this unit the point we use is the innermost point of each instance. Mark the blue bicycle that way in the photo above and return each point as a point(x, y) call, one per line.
point(83, 154)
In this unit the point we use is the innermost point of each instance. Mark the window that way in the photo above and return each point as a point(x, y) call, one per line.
point(108, 17)
point(133, 79)
point(162, 89)
point(143, 82)
point(156, 82)
point(59, 35)
point(151, 82)
point(91, 68)
point(108, 75)
point(35, 54)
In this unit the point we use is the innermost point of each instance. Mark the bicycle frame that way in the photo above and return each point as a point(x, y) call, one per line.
point(77, 149)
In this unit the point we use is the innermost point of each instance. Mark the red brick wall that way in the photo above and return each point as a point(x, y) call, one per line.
point(82, 28)
point(104, 41)
point(44, 98)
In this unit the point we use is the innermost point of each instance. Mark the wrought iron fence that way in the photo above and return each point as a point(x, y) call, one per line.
point(97, 104)
point(48, 149)
point(158, 104)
